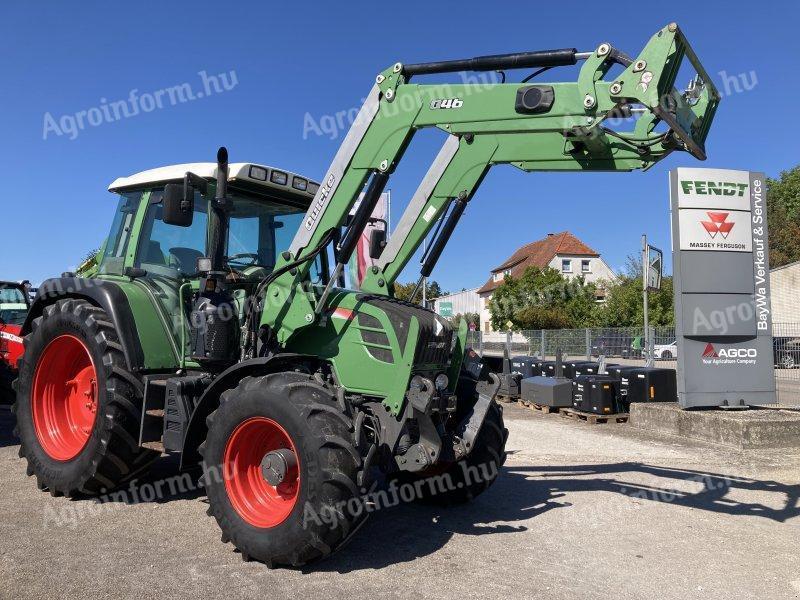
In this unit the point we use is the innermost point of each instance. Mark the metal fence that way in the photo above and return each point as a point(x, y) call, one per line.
point(625, 345)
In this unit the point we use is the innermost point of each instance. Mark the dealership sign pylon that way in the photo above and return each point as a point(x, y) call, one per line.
point(721, 281)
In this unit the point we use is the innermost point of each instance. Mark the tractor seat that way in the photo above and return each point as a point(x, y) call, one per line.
point(184, 259)
point(153, 254)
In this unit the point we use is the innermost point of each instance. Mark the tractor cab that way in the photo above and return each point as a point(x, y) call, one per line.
point(14, 306)
point(164, 257)
point(14, 303)
point(266, 208)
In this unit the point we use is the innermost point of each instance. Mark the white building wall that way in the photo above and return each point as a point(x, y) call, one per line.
point(598, 269)
point(785, 289)
point(486, 316)
point(466, 301)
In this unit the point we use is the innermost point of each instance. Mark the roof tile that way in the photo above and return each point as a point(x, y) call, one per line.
point(539, 254)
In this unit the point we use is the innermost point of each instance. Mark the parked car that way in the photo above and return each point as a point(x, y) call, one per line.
point(786, 352)
point(614, 344)
point(665, 351)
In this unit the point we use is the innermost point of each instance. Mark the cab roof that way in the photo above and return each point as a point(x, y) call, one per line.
point(261, 177)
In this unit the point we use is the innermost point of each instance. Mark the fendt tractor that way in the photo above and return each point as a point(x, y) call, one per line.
point(216, 324)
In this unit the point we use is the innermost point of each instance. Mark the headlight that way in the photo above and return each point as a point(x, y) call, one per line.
point(279, 177)
point(417, 384)
point(257, 172)
point(441, 382)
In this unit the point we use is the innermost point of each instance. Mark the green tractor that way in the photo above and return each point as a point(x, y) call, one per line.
point(215, 324)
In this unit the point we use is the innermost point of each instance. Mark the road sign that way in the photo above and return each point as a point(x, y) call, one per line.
point(445, 309)
point(655, 268)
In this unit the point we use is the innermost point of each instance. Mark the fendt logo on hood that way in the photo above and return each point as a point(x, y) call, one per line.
point(714, 188)
point(718, 224)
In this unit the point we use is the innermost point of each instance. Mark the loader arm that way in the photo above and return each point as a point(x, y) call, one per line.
point(533, 126)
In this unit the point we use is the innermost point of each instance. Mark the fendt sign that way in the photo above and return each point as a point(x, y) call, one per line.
point(722, 307)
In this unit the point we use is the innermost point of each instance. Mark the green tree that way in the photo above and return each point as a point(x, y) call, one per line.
point(471, 319)
point(543, 299)
point(783, 217)
point(542, 317)
point(624, 307)
point(403, 291)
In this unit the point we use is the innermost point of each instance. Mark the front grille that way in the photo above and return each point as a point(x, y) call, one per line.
point(435, 334)
point(433, 349)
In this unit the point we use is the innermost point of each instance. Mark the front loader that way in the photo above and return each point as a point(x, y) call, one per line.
point(214, 326)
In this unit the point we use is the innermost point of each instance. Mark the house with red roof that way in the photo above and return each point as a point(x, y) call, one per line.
point(561, 251)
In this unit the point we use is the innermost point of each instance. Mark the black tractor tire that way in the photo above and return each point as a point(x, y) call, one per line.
point(468, 478)
point(111, 454)
point(325, 507)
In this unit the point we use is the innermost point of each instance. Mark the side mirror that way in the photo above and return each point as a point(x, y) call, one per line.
point(377, 243)
point(178, 203)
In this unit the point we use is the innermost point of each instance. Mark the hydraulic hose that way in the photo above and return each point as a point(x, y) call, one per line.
point(518, 60)
point(254, 315)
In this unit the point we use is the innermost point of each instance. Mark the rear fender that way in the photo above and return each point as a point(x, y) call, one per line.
point(126, 317)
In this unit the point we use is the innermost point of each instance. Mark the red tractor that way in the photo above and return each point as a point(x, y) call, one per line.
point(14, 305)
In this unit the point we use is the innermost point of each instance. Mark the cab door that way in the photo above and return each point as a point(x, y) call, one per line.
point(166, 256)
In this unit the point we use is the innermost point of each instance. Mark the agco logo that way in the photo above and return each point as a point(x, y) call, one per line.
point(711, 352)
point(718, 224)
point(714, 188)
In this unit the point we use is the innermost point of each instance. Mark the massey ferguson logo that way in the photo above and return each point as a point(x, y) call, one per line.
point(729, 355)
point(718, 224)
point(709, 352)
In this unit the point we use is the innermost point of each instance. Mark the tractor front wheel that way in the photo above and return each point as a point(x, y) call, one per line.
point(281, 469)
point(77, 407)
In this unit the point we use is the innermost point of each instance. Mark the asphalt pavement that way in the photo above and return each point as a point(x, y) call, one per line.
point(579, 511)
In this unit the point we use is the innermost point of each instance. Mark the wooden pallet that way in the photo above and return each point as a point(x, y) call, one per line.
point(539, 407)
point(505, 399)
point(591, 418)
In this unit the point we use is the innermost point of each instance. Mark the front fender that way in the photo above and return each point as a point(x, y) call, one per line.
point(230, 378)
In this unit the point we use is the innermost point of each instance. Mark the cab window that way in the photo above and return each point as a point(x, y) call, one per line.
point(259, 231)
point(170, 250)
point(112, 262)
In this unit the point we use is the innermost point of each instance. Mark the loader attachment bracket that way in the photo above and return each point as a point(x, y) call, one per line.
point(650, 80)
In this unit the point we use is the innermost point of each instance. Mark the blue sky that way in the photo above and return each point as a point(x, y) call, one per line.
point(286, 62)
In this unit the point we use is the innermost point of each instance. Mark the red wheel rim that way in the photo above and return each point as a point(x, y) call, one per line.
point(64, 398)
point(252, 497)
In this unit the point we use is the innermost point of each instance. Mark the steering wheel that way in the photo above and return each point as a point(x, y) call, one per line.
point(254, 258)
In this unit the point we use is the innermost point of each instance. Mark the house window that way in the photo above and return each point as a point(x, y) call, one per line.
point(586, 266)
point(566, 266)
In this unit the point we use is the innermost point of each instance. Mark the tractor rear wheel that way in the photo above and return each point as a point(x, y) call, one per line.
point(281, 468)
point(77, 408)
